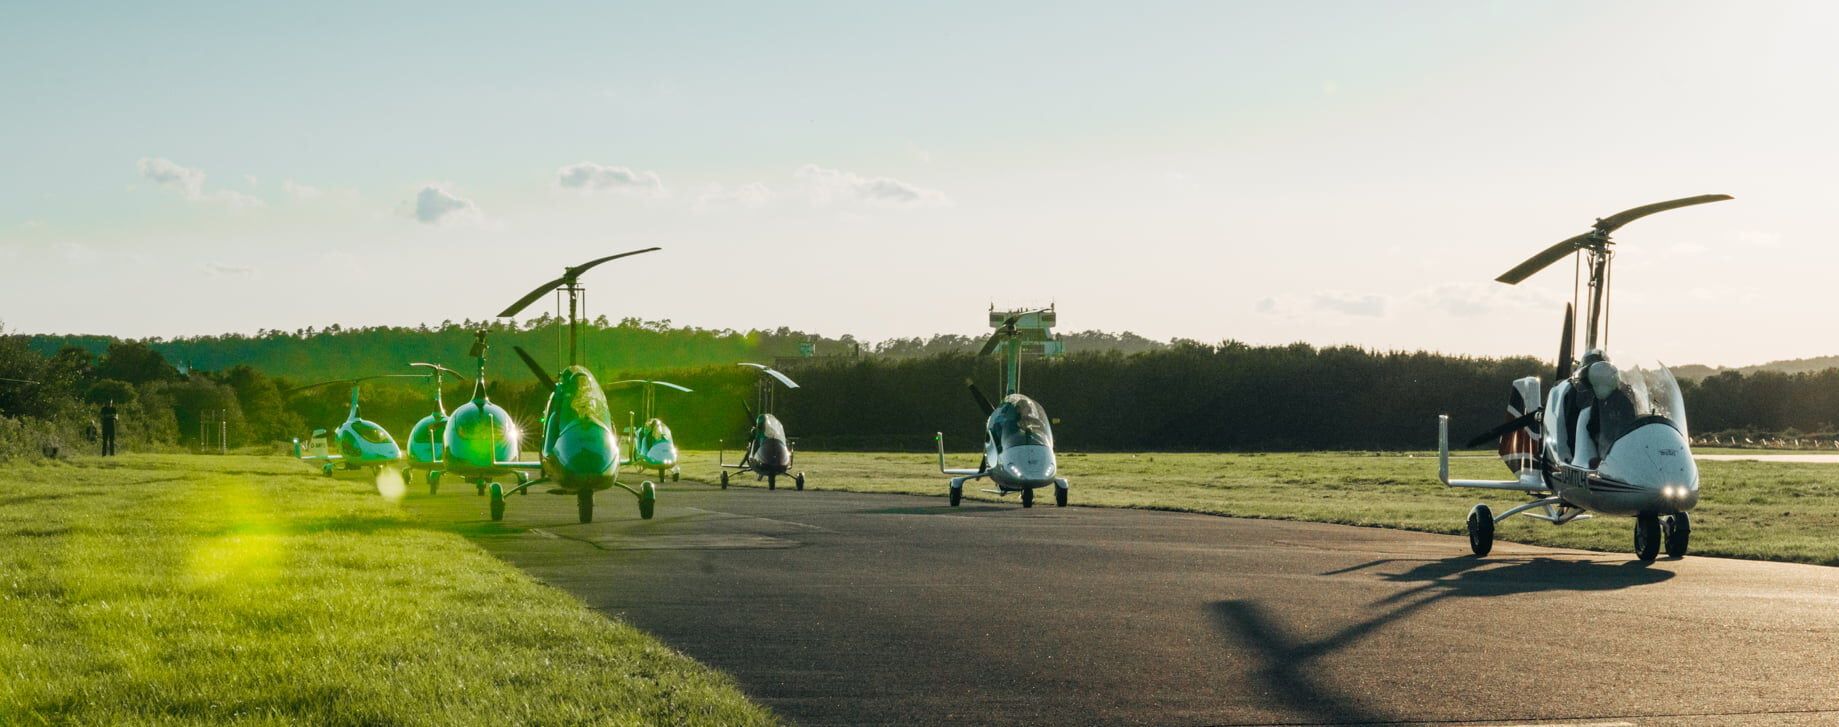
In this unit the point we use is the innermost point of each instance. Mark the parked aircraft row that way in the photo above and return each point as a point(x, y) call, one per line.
point(1603, 439)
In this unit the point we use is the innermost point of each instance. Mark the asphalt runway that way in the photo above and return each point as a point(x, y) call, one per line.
point(848, 609)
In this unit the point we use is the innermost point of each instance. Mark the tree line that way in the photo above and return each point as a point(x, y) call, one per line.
point(1176, 396)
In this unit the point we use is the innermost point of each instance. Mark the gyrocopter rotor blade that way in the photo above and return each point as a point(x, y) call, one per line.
point(1616, 221)
point(441, 369)
point(535, 368)
point(983, 402)
point(1598, 233)
point(569, 277)
point(781, 378)
point(665, 384)
point(18, 381)
point(991, 343)
point(1544, 259)
point(358, 380)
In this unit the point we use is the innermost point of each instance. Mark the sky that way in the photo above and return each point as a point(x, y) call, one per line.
point(1336, 173)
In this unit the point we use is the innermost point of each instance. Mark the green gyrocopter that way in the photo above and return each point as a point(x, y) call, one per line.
point(362, 443)
point(580, 452)
point(426, 446)
point(479, 442)
point(649, 446)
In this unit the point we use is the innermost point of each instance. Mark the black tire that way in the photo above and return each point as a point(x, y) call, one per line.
point(957, 494)
point(327, 469)
point(584, 504)
point(1060, 496)
point(663, 474)
point(434, 486)
point(676, 475)
point(1028, 498)
point(772, 482)
point(1679, 535)
point(1481, 530)
point(497, 502)
point(1647, 537)
point(479, 488)
point(799, 482)
point(724, 480)
point(408, 478)
point(434, 477)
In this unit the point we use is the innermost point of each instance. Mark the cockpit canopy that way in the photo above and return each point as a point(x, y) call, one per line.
point(1646, 394)
point(770, 428)
point(1019, 421)
point(370, 432)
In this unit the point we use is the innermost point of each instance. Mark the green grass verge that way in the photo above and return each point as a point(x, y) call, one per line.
point(174, 589)
point(1759, 510)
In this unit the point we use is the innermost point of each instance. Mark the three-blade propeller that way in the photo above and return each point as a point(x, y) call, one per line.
point(542, 376)
point(570, 276)
point(983, 402)
point(1598, 235)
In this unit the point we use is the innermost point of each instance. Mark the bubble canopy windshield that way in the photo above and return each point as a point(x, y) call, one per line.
point(1647, 393)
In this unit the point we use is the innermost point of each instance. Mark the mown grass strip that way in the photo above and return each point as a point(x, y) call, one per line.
point(242, 590)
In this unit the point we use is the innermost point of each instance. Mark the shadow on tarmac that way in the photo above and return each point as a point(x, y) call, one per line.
point(1288, 668)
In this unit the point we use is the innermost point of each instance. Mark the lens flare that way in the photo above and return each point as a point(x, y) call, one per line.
point(389, 484)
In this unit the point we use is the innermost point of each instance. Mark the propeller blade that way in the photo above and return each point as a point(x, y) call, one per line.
point(535, 368)
point(1565, 344)
point(1503, 430)
point(983, 402)
point(1617, 220)
point(1544, 259)
point(532, 297)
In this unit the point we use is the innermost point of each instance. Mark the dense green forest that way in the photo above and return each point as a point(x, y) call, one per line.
point(1109, 392)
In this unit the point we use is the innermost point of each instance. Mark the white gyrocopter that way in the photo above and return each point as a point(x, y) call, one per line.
point(1018, 445)
point(1605, 440)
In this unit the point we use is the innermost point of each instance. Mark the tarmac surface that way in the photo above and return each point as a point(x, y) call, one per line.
point(836, 608)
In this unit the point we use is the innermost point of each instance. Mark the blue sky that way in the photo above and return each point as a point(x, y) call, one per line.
point(1327, 172)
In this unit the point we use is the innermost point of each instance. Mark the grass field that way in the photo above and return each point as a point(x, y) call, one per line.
point(183, 589)
point(1763, 510)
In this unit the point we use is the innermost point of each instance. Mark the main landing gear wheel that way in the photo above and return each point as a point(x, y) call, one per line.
point(957, 493)
point(724, 480)
point(1481, 530)
point(676, 475)
point(1647, 536)
point(772, 482)
point(1060, 496)
point(648, 500)
point(408, 478)
point(479, 487)
point(799, 482)
point(497, 502)
point(1028, 498)
point(584, 504)
point(1679, 535)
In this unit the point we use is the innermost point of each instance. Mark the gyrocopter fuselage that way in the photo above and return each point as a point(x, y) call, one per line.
point(1603, 440)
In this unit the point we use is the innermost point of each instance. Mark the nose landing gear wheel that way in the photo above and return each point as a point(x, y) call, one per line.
point(584, 504)
point(497, 502)
point(1679, 534)
point(648, 500)
point(772, 482)
point(1027, 498)
point(676, 475)
point(799, 482)
point(1481, 530)
point(724, 480)
point(1647, 536)
point(327, 469)
point(479, 487)
point(1060, 496)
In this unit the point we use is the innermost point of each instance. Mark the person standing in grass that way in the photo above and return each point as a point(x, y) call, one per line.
point(108, 429)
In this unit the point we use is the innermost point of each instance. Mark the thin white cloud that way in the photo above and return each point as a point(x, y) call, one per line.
point(301, 192)
point(1335, 302)
point(228, 271)
point(190, 183)
point(752, 195)
point(1469, 300)
point(434, 205)
point(591, 177)
point(826, 186)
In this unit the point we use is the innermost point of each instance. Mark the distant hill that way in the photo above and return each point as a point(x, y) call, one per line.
point(1696, 372)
